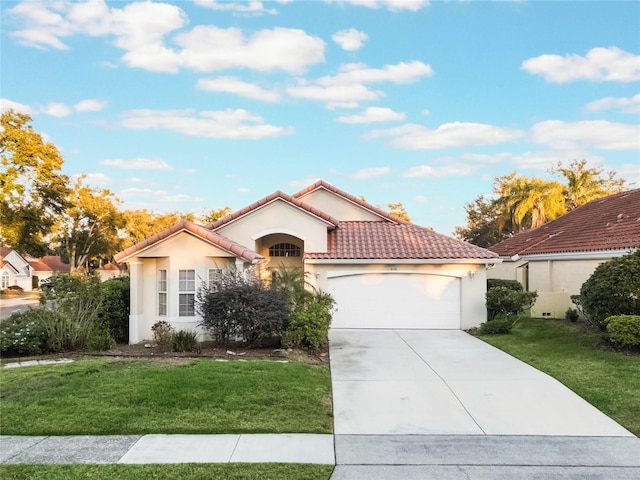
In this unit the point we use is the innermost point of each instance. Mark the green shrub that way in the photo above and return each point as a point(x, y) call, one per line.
point(499, 282)
point(612, 289)
point(309, 323)
point(23, 333)
point(241, 307)
point(185, 341)
point(163, 335)
point(114, 307)
point(572, 315)
point(503, 301)
point(624, 330)
point(499, 325)
point(100, 339)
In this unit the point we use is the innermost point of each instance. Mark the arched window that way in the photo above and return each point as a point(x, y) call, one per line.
point(4, 282)
point(285, 250)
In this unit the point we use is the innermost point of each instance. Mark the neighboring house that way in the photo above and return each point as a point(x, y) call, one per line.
point(558, 257)
point(382, 272)
point(112, 270)
point(19, 270)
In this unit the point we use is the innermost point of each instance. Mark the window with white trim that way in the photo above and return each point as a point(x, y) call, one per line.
point(285, 250)
point(186, 293)
point(162, 293)
point(5, 280)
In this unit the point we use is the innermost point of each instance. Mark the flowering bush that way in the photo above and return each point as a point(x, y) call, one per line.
point(23, 333)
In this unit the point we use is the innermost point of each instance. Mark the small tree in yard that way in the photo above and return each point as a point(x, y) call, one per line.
point(612, 289)
point(239, 306)
point(505, 302)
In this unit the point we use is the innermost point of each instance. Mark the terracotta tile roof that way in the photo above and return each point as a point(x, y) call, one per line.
point(348, 196)
point(4, 251)
point(385, 240)
point(38, 265)
point(199, 231)
point(56, 264)
point(110, 267)
point(269, 198)
point(609, 223)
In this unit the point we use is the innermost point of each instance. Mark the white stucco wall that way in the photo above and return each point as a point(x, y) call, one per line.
point(337, 206)
point(181, 252)
point(278, 217)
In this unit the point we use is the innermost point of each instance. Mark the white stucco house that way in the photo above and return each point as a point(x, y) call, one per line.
point(20, 270)
point(558, 257)
point(382, 272)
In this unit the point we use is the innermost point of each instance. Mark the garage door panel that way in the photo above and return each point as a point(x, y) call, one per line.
point(388, 300)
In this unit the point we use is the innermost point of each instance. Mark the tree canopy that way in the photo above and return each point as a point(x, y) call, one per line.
point(522, 202)
point(33, 188)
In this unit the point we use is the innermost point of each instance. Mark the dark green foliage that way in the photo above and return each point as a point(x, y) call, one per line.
point(572, 315)
point(23, 333)
point(114, 307)
point(238, 306)
point(503, 301)
point(499, 282)
point(309, 322)
point(499, 325)
point(612, 289)
point(624, 330)
point(185, 341)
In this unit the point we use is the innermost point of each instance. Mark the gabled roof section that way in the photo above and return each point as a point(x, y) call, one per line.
point(609, 223)
point(4, 263)
point(268, 199)
point(385, 240)
point(55, 264)
point(347, 196)
point(197, 230)
point(38, 265)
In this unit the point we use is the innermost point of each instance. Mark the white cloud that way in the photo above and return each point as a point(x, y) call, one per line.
point(600, 64)
point(90, 105)
point(249, 7)
point(303, 182)
point(371, 172)
point(544, 160)
point(238, 87)
point(348, 88)
point(230, 124)
point(6, 105)
point(351, 39)
point(335, 96)
point(393, 5)
point(290, 50)
point(93, 179)
point(141, 28)
point(373, 115)
point(448, 135)
point(630, 172)
point(626, 105)
point(57, 110)
point(599, 134)
point(453, 169)
point(154, 197)
point(137, 163)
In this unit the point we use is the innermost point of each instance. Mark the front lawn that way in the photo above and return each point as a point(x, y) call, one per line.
point(186, 471)
point(570, 353)
point(110, 397)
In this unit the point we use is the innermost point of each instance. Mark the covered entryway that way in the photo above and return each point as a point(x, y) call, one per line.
point(395, 300)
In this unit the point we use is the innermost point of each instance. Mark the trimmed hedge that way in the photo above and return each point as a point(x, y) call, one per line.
point(499, 282)
point(624, 330)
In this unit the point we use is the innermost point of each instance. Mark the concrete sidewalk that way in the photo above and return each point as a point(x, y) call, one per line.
point(138, 449)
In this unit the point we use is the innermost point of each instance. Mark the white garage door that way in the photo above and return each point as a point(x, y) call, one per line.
point(395, 300)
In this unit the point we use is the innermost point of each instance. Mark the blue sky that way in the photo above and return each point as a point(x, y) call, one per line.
point(189, 106)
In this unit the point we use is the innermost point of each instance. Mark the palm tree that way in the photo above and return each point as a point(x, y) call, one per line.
point(586, 184)
point(529, 202)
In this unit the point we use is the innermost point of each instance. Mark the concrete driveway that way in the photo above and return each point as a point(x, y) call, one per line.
point(443, 404)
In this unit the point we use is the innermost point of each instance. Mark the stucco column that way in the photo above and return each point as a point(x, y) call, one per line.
point(135, 304)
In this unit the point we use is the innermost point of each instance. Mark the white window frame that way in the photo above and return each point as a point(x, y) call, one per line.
point(163, 291)
point(5, 280)
point(186, 292)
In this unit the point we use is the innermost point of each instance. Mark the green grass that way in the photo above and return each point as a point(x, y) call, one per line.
point(187, 471)
point(568, 352)
point(106, 397)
